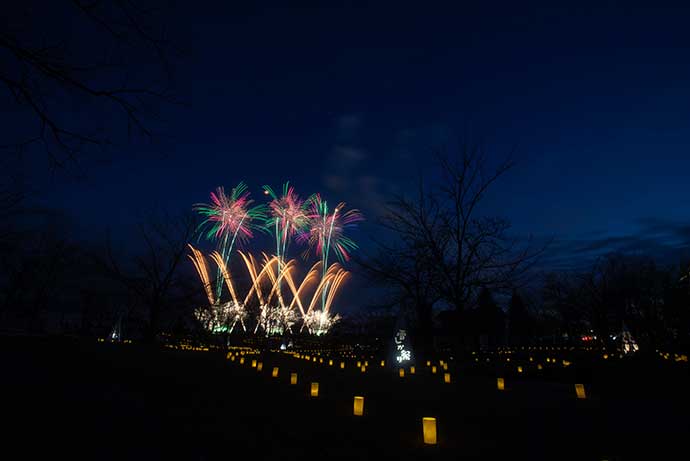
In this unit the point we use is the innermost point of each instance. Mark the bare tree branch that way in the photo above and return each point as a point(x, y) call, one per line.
point(32, 71)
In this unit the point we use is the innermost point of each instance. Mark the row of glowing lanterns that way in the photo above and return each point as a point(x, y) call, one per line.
point(676, 357)
point(444, 364)
point(565, 363)
point(124, 341)
point(499, 351)
point(428, 422)
point(185, 347)
point(664, 355)
point(412, 370)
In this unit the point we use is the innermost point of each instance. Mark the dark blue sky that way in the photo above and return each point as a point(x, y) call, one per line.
point(350, 101)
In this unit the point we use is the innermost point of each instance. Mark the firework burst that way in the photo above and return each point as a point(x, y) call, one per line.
point(229, 216)
point(287, 216)
point(229, 219)
point(320, 322)
point(326, 232)
point(232, 219)
point(276, 320)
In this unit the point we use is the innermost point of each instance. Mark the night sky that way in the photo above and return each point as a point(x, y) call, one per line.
point(352, 101)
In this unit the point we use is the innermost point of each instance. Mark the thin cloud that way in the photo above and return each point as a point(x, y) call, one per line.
point(666, 241)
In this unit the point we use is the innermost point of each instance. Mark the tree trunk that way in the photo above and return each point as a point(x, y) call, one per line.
point(426, 330)
point(152, 327)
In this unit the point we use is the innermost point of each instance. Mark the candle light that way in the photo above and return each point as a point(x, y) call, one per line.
point(429, 430)
point(580, 391)
point(359, 406)
point(500, 383)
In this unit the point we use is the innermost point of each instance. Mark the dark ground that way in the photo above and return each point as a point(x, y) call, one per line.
point(76, 399)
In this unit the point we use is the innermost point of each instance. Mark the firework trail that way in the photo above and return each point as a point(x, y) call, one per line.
point(326, 232)
point(229, 219)
point(223, 316)
point(257, 277)
point(277, 278)
point(287, 216)
point(326, 235)
point(337, 280)
point(297, 292)
point(202, 269)
point(218, 259)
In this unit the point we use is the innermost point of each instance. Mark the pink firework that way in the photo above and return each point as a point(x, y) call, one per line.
point(287, 213)
point(327, 228)
point(229, 216)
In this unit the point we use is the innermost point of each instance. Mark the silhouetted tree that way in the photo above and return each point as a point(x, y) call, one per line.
point(563, 306)
point(406, 267)
point(446, 250)
point(471, 251)
point(519, 322)
point(154, 276)
point(10, 208)
point(676, 307)
point(624, 292)
point(490, 320)
point(109, 61)
point(618, 292)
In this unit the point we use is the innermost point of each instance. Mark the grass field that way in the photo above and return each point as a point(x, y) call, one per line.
point(80, 399)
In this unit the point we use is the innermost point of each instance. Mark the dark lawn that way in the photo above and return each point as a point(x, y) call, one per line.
point(72, 399)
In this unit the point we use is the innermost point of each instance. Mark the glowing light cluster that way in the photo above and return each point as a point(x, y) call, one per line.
point(221, 317)
point(320, 322)
point(231, 219)
point(326, 230)
point(401, 353)
point(229, 215)
point(287, 216)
